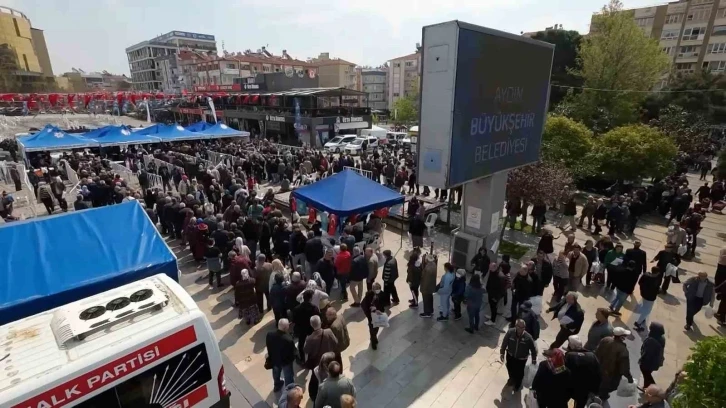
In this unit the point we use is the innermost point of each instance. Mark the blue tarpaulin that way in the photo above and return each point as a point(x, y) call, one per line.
point(171, 133)
point(48, 262)
point(53, 138)
point(221, 130)
point(122, 135)
point(347, 193)
point(151, 130)
point(199, 126)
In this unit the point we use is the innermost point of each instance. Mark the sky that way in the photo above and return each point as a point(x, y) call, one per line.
point(93, 34)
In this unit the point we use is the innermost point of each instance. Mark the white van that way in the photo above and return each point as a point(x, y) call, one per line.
point(338, 143)
point(145, 344)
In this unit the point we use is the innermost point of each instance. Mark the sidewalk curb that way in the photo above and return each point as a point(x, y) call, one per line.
point(236, 380)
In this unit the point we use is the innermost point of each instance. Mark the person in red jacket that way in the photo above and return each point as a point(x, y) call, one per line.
point(237, 263)
point(342, 264)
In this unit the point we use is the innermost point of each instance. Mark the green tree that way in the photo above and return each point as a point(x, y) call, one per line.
point(705, 383)
point(702, 93)
point(615, 59)
point(689, 130)
point(565, 61)
point(543, 181)
point(405, 110)
point(570, 143)
point(634, 152)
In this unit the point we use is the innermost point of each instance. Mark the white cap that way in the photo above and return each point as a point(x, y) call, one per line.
point(619, 331)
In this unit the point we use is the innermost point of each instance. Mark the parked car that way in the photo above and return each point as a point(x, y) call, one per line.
point(394, 138)
point(356, 145)
point(338, 143)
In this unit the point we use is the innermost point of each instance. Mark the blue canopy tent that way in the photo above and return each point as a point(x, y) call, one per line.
point(122, 135)
point(221, 130)
point(151, 130)
point(51, 261)
point(347, 193)
point(199, 126)
point(174, 133)
point(53, 138)
point(92, 134)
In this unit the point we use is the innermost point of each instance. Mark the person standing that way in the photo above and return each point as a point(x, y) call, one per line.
point(569, 211)
point(648, 283)
point(599, 215)
point(320, 373)
point(588, 210)
point(668, 256)
point(473, 295)
point(281, 355)
point(480, 262)
point(531, 319)
point(374, 302)
point(652, 353)
point(301, 316)
point(326, 269)
point(612, 353)
point(428, 285)
point(214, 263)
point(496, 291)
point(319, 342)
point(336, 324)
point(245, 298)
point(372, 268)
point(551, 383)
point(263, 270)
point(517, 345)
point(599, 329)
point(560, 275)
point(457, 292)
point(570, 316)
point(358, 273)
point(613, 262)
point(590, 253)
point(334, 387)
point(638, 256)
point(314, 251)
point(413, 276)
point(543, 270)
point(343, 263)
point(584, 369)
point(277, 297)
point(577, 266)
point(390, 274)
point(445, 287)
point(699, 291)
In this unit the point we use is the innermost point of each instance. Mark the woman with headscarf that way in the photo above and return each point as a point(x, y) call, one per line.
point(244, 297)
point(720, 287)
point(318, 295)
point(652, 353)
point(552, 381)
point(277, 269)
point(320, 282)
point(199, 246)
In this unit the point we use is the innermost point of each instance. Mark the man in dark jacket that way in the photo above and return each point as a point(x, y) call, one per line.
point(530, 318)
point(524, 286)
point(638, 255)
point(600, 214)
point(570, 321)
point(297, 245)
point(584, 369)
point(281, 354)
point(358, 273)
point(517, 345)
point(314, 251)
point(277, 298)
point(326, 269)
point(649, 285)
point(301, 318)
point(79, 204)
point(374, 302)
point(624, 280)
point(390, 274)
point(699, 291)
point(652, 353)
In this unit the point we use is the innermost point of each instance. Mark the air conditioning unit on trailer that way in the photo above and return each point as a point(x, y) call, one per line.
point(78, 320)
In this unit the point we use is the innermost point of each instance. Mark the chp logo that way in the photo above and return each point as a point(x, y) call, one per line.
point(151, 376)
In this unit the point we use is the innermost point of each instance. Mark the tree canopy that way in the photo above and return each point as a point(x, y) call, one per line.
point(634, 152)
point(570, 143)
point(704, 384)
point(566, 44)
point(543, 181)
point(701, 93)
point(405, 110)
point(690, 131)
point(614, 60)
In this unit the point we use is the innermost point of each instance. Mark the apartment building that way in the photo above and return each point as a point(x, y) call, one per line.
point(146, 73)
point(79, 80)
point(374, 83)
point(336, 72)
point(404, 76)
point(691, 32)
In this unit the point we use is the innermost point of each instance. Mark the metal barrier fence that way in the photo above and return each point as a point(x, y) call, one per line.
point(221, 158)
point(364, 173)
point(160, 163)
point(5, 177)
point(122, 170)
point(70, 173)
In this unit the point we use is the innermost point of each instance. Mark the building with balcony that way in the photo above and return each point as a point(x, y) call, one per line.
point(23, 53)
point(146, 75)
point(79, 80)
point(335, 72)
point(375, 86)
point(691, 32)
point(404, 76)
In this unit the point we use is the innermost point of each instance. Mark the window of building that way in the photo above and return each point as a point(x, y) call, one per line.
point(670, 34)
point(642, 22)
point(17, 29)
point(673, 18)
point(231, 66)
point(718, 48)
point(668, 50)
point(697, 2)
point(25, 59)
point(721, 13)
point(689, 51)
point(698, 15)
point(719, 30)
point(715, 66)
point(396, 94)
point(685, 67)
point(694, 33)
point(397, 65)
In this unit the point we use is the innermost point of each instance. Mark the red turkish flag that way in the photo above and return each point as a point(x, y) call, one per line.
point(86, 99)
point(53, 99)
point(119, 98)
point(133, 98)
point(70, 98)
